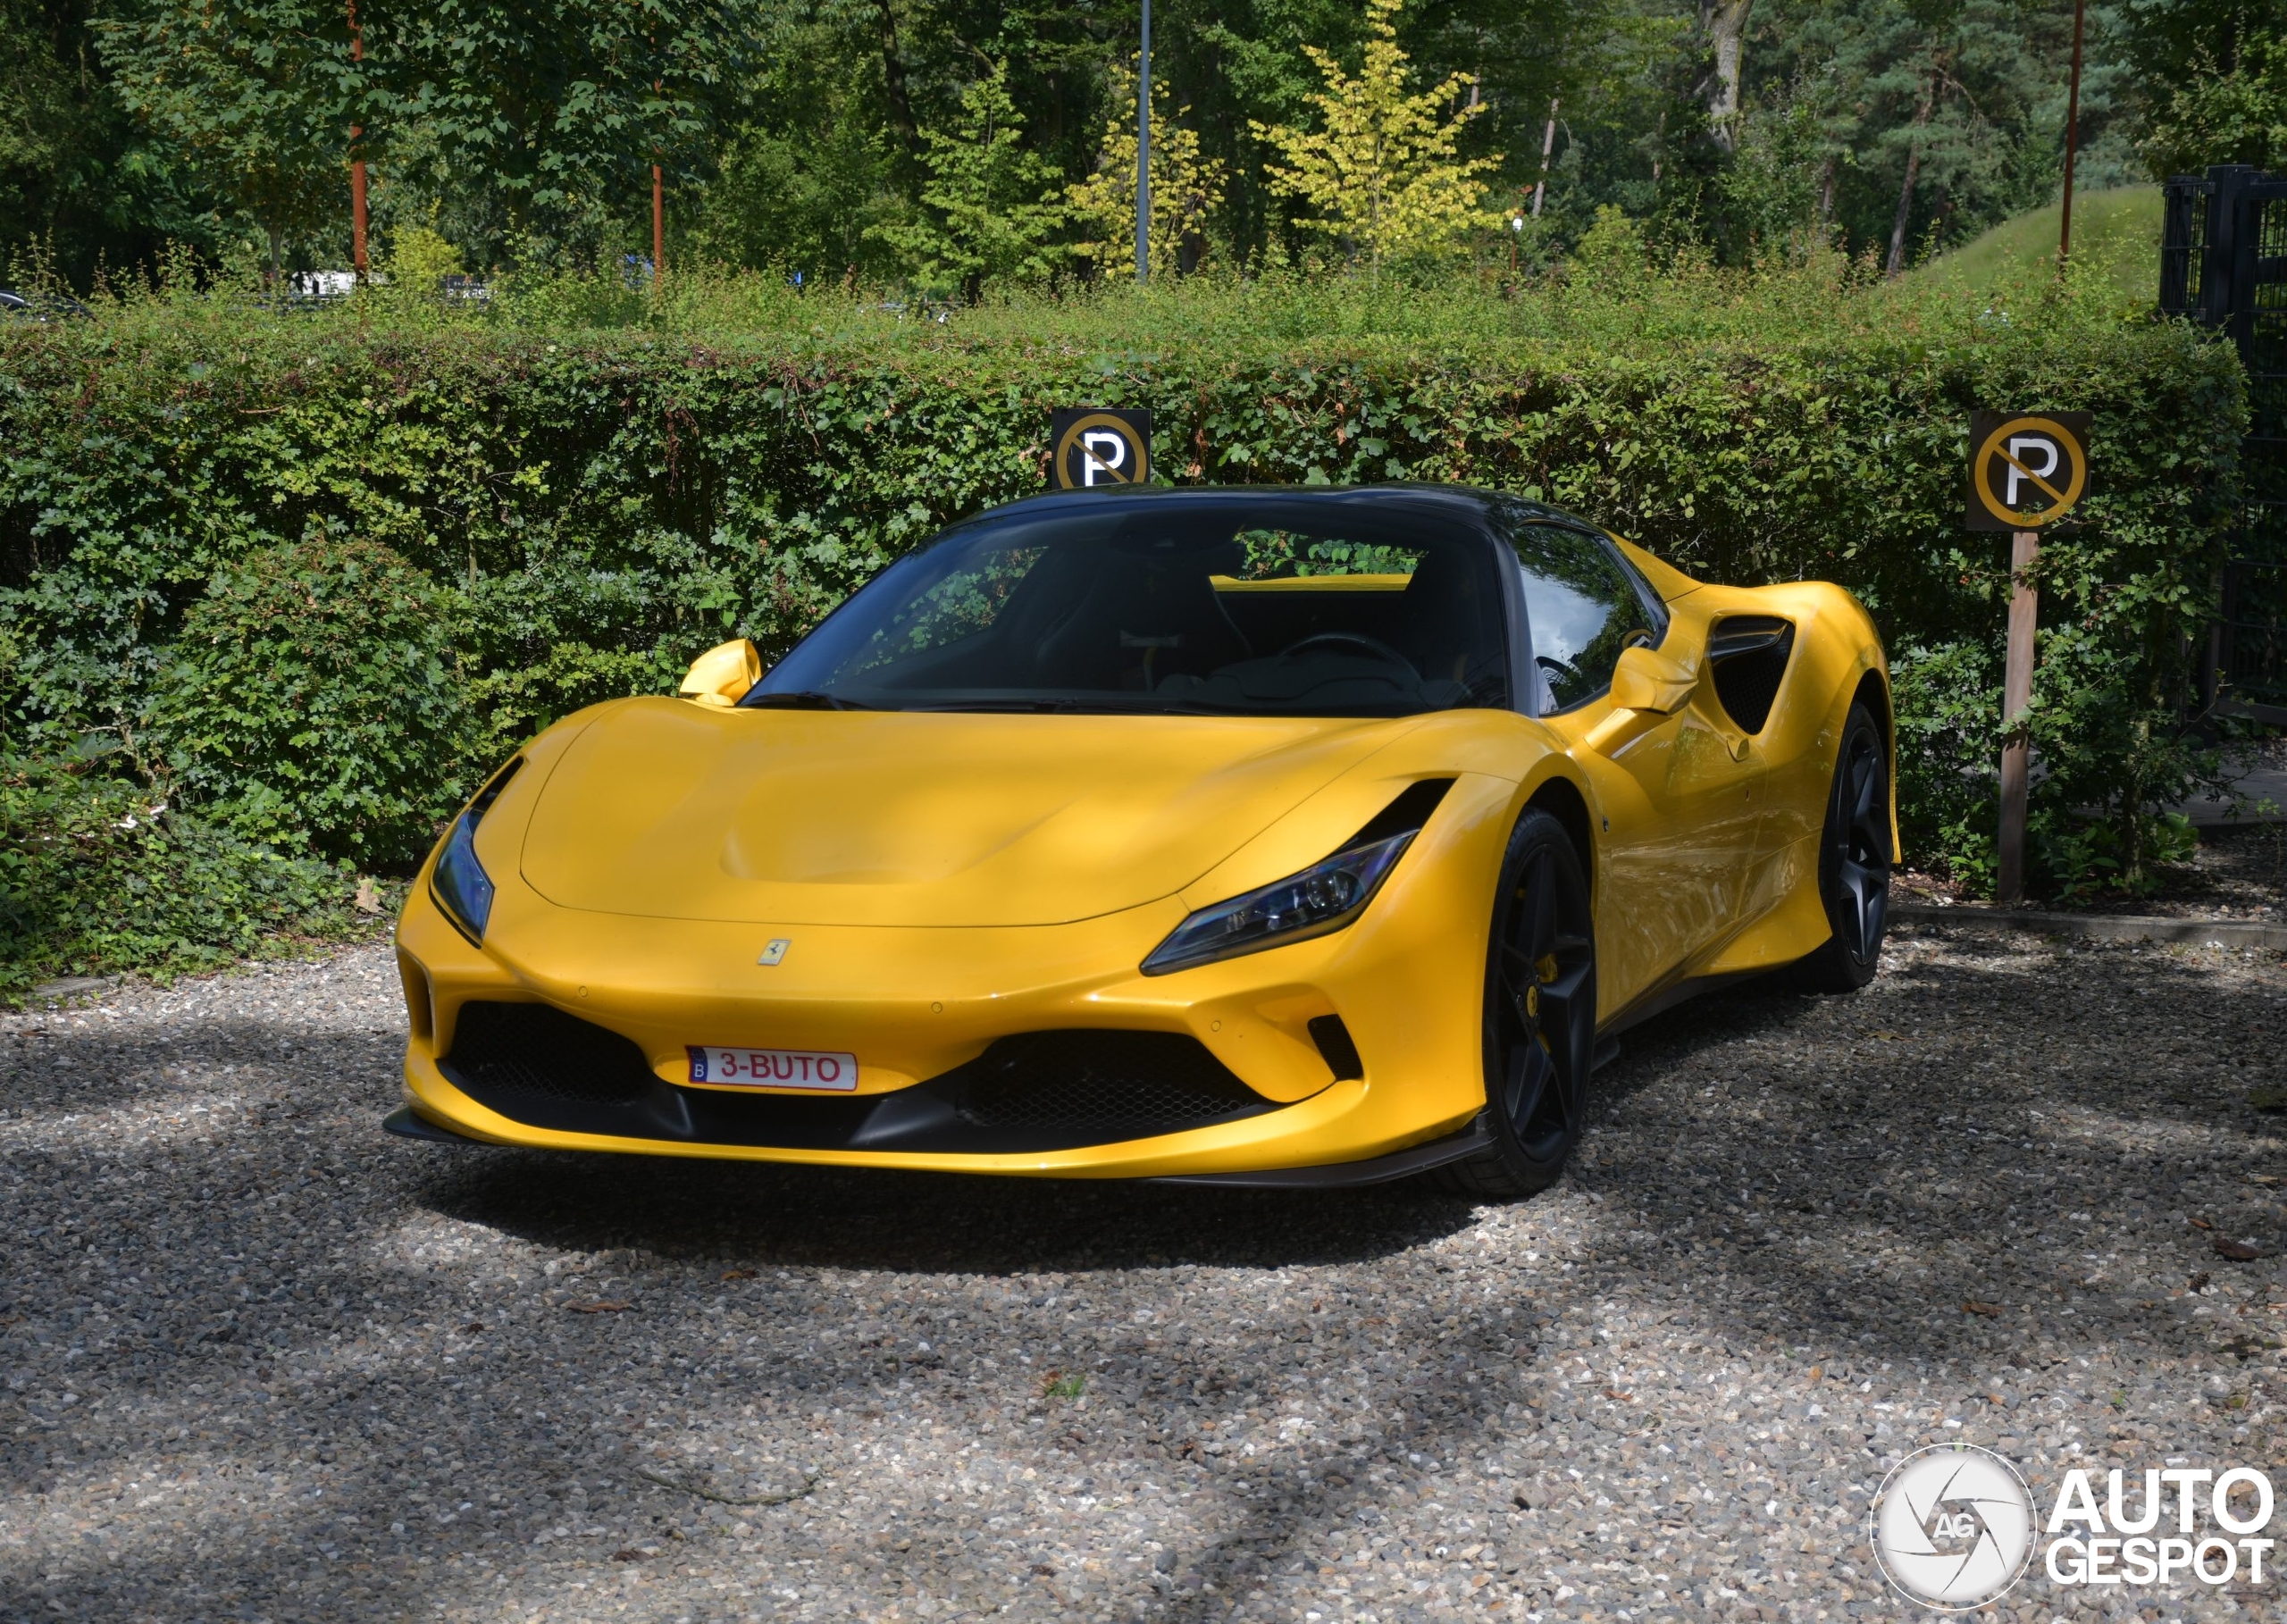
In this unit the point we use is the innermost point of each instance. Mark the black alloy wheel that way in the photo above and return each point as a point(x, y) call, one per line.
point(1854, 862)
point(1540, 1015)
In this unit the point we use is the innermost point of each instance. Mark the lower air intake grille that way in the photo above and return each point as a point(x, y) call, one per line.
point(1128, 1082)
point(537, 1049)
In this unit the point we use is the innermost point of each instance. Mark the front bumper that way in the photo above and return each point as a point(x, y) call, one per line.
point(409, 1124)
point(923, 1007)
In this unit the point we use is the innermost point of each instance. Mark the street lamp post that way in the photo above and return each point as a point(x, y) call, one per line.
point(1143, 153)
point(357, 164)
point(2072, 141)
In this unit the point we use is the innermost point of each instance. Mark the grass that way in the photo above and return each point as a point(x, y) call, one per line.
point(1609, 295)
point(2116, 232)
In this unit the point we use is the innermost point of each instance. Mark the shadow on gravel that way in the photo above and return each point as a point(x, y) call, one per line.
point(1948, 1123)
point(1962, 1129)
point(73, 1071)
point(750, 1212)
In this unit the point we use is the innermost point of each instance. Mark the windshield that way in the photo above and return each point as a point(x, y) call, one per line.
point(1157, 605)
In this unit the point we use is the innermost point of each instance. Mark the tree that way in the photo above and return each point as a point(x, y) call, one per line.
point(1725, 23)
point(1186, 188)
point(1927, 119)
point(815, 159)
point(2213, 79)
point(991, 206)
point(1384, 173)
point(258, 94)
point(551, 118)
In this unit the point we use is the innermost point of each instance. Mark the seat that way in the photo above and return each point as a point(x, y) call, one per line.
point(1145, 618)
point(1439, 616)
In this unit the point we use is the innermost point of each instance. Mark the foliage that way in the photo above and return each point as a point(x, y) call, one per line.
point(589, 512)
point(1383, 171)
point(540, 128)
point(2206, 77)
point(2218, 116)
point(312, 699)
point(1186, 189)
point(990, 207)
point(97, 874)
point(793, 136)
point(811, 164)
point(1901, 123)
point(81, 182)
point(259, 94)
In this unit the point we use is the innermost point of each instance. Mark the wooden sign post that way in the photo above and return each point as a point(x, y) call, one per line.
point(2024, 472)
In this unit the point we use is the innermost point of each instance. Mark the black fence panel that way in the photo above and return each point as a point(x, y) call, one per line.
point(2224, 262)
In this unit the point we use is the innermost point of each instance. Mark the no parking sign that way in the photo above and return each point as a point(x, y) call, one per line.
point(2025, 470)
point(1098, 447)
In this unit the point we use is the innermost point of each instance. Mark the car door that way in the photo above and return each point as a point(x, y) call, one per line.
point(1674, 792)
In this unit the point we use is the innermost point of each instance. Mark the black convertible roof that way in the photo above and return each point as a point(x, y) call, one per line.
point(1471, 505)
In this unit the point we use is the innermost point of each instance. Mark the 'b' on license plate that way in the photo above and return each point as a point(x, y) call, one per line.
point(773, 1068)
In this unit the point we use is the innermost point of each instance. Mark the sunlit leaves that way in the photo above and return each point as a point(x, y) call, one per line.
point(1382, 174)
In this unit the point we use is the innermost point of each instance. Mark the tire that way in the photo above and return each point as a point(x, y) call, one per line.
point(1539, 1017)
point(1855, 861)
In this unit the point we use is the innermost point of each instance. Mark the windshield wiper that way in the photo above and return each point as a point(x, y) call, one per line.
point(806, 698)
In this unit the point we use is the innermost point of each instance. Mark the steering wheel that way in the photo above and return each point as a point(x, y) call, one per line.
point(1557, 668)
point(1355, 640)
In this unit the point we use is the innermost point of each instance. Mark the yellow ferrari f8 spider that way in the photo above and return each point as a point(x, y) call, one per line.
point(1249, 836)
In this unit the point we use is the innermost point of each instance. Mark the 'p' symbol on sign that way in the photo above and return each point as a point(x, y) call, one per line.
point(1099, 447)
point(2026, 469)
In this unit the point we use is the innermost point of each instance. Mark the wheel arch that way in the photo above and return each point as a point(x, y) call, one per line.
point(1562, 799)
point(1874, 691)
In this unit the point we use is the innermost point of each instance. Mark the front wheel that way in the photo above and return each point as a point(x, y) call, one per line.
point(1540, 1015)
point(1854, 862)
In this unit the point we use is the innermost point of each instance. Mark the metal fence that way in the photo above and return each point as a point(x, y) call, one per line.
point(2224, 263)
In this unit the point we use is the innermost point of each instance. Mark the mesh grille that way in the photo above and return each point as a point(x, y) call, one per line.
point(1156, 1081)
point(537, 1049)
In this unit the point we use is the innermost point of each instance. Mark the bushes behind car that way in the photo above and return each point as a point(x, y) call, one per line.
point(321, 576)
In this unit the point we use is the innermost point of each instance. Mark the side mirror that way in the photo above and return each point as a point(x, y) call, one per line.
point(722, 675)
point(1646, 679)
point(1646, 686)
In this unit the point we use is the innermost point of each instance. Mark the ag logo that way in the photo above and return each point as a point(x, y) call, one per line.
point(1099, 446)
point(2026, 472)
point(1953, 1526)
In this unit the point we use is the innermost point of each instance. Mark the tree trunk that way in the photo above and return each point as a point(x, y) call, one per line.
point(1913, 168)
point(1726, 23)
point(893, 82)
point(276, 240)
point(1826, 194)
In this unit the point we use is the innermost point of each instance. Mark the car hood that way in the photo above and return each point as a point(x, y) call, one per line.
point(665, 808)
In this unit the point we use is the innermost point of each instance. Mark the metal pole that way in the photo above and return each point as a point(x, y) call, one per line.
point(658, 211)
point(2072, 139)
point(1143, 153)
point(2016, 695)
point(356, 165)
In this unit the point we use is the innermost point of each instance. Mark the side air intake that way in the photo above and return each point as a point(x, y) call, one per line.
point(1749, 653)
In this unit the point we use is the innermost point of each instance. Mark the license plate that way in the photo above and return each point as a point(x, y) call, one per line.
point(773, 1068)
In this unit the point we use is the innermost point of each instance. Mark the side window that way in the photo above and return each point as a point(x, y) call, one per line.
point(1585, 609)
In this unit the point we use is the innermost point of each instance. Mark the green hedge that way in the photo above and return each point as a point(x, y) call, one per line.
point(312, 578)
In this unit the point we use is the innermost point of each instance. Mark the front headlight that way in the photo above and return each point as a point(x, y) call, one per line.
point(458, 883)
point(1324, 897)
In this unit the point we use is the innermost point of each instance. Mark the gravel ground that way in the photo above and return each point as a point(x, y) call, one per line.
point(261, 1362)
